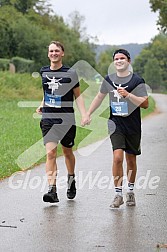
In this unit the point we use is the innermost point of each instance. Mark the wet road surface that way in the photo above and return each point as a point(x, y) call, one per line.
point(87, 223)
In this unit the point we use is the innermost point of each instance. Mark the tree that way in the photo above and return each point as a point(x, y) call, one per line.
point(159, 50)
point(161, 7)
point(4, 2)
point(152, 73)
point(8, 15)
point(27, 35)
point(4, 38)
point(155, 50)
point(105, 59)
point(141, 60)
point(75, 21)
point(24, 6)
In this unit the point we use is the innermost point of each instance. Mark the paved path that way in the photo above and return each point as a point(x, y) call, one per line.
point(87, 223)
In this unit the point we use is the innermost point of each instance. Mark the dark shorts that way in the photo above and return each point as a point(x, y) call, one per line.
point(65, 134)
point(129, 143)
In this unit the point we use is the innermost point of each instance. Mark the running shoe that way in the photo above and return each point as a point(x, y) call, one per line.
point(118, 200)
point(130, 199)
point(71, 191)
point(51, 197)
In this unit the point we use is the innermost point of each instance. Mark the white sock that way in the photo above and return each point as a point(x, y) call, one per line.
point(130, 187)
point(118, 190)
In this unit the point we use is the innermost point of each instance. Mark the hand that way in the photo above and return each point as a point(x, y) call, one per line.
point(122, 92)
point(39, 110)
point(85, 120)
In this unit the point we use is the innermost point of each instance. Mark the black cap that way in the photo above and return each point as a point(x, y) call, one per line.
point(123, 51)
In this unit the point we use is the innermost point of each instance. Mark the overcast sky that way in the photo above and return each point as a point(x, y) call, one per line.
point(114, 22)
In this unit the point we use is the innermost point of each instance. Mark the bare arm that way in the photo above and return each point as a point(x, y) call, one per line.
point(81, 106)
point(39, 109)
point(96, 102)
point(79, 101)
point(141, 102)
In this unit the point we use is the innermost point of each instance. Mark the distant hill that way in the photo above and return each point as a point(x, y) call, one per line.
point(134, 49)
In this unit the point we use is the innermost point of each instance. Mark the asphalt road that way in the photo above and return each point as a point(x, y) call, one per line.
point(87, 223)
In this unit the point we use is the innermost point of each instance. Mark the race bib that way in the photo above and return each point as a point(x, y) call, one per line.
point(53, 100)
point(119, 108)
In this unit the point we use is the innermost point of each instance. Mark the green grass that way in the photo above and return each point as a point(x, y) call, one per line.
point(20, 131)
point(19, 86)
point(150, 109)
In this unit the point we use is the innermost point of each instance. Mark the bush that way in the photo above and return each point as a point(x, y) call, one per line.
point(4, 64)
point(23, 65)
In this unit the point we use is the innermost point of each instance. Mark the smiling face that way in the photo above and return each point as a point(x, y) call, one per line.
point(121, 62)
point(55, 54)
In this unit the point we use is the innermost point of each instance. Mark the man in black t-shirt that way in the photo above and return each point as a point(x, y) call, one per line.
point(60, 88)
point(127, 94)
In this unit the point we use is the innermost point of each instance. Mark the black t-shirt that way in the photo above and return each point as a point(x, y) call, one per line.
point(58, 92)
point(130, 121)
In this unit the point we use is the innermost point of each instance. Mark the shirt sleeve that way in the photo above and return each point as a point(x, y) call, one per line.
point(140, 89)
point(74, 79)
point(105, 86)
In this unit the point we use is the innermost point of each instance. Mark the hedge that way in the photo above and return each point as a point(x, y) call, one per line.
point(23, 65)
point(4, 64)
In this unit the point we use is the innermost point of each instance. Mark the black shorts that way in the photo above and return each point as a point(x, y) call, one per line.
point(129, 143)
point(65, 134)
